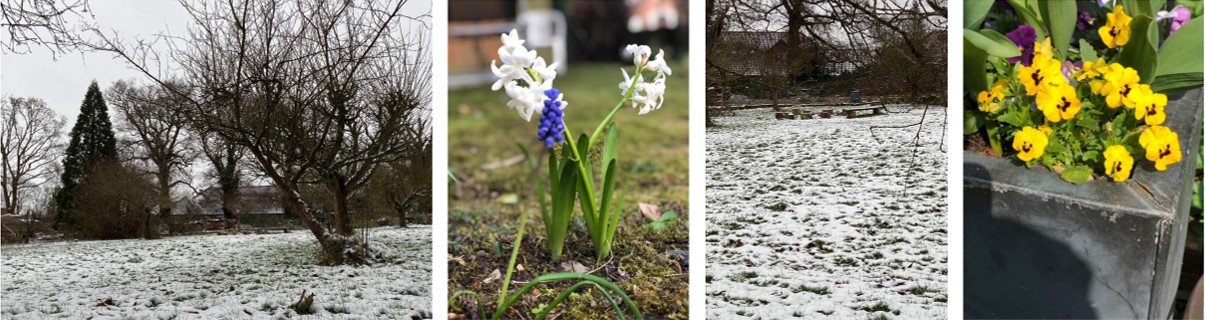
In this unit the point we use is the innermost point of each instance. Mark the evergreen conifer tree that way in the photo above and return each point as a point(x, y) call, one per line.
point(92, 142)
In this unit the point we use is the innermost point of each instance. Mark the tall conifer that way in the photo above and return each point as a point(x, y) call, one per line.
point(92, 142)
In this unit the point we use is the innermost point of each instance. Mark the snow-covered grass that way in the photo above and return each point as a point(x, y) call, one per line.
point(215, 276)
point(825, 218)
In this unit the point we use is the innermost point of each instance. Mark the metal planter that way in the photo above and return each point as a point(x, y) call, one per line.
point(1038, 247)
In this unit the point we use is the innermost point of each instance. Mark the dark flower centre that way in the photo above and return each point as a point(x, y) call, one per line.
point(1166, 151)
point(1026, 146)
point(1150, 110)
point(1114, 31)
point(1066, 104)
point(1125, 90)
point(1117, 166)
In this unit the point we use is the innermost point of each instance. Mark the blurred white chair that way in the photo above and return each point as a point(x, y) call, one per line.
point(546, 28)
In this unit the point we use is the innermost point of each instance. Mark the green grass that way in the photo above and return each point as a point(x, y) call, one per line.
point(653, 157)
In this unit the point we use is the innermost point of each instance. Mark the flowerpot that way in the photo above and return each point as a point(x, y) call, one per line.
point(1038, 247)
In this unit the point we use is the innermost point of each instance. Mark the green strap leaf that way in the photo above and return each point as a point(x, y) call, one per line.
point(1061, 16)
point(1183, 47)
point(1140, 52)
point(992, 42)
point(974, 11)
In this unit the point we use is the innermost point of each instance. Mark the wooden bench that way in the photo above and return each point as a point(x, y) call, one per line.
point(826, 113)
point(875, 111)
point(805, 115)
point(783, 115)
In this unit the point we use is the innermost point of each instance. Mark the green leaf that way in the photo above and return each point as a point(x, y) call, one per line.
point(974, 70)
point(1061, 17)
point(1141, 7)
point(1140, 52)
point(607, 192)
point(1028, 16)
point(1089, 123)
point(1077, 174)
point(974, 11)
point(1183, 47)
point(1086, 51)
point(1011, 118)
point(971, 123)
point(610, 147)
point(669, 216)
point(992, 42)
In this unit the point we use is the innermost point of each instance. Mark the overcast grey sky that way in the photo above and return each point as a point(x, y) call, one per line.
point(62, 83)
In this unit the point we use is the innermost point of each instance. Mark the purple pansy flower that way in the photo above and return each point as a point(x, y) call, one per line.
point(1004, 5)
point(1085, 20)
point(1024, 37)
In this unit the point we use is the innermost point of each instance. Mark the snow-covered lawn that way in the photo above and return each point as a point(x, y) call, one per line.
point(821, 219)
point(215, 276)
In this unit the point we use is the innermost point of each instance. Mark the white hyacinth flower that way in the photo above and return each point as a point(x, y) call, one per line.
point(646, 96)
point(525, 100)
point(658, 65)
point(524, 74)
point(640, 54)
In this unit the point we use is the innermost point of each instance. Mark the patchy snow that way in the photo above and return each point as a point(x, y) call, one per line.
point(215, 276)
point(825, 218)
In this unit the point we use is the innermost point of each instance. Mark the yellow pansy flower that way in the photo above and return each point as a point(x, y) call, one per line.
point(1118, 163)
point(1043, 50)
point(1116, 32)
point(1119, 81)
point(1030, 143)
point(1045, 128)
point(1162, 146)
point(1041, 72)
point(989, 100)
point(1148, 105)
point(1091, 69)
point(1058, 103)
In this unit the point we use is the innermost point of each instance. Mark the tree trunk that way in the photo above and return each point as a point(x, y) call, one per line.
point(342, 219)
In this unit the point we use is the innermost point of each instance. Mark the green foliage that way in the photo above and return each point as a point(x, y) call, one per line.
point(505, 300)
point(1140, 52)
point(664, 221)
point(1183, 47)
point(1075, 146)
point(92, 143)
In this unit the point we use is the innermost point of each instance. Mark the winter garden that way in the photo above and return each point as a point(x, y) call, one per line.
point(213, 170)
point(568, 182)
point(826, 160)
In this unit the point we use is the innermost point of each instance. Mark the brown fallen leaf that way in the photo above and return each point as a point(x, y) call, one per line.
point(573, 266)
point(653, 212)
point(493, 276)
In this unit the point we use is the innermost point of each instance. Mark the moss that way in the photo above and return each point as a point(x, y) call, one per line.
point(653, 156)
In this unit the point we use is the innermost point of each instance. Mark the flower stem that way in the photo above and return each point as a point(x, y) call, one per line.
point(627, 95)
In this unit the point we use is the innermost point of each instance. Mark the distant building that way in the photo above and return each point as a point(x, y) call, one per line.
point(251, 200)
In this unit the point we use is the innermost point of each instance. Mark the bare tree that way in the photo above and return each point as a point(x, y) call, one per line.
point(29, 143)
point(43, 23)
point(313, 91)
point(156, 135)
point(225, 158)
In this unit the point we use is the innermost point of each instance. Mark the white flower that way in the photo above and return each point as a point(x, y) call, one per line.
point(653, 97)
point(525, 100)
point(658, 65)
point(640, 54)
point(547, 73)
point(515, 58)
point(627, 82)
point(647, 96)
point(523, 74)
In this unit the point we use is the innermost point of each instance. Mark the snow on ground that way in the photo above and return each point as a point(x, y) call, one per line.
point(823, 219)
point(215, 276)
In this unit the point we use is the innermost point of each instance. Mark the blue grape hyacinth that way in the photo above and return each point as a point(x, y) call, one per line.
point(551, 130)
